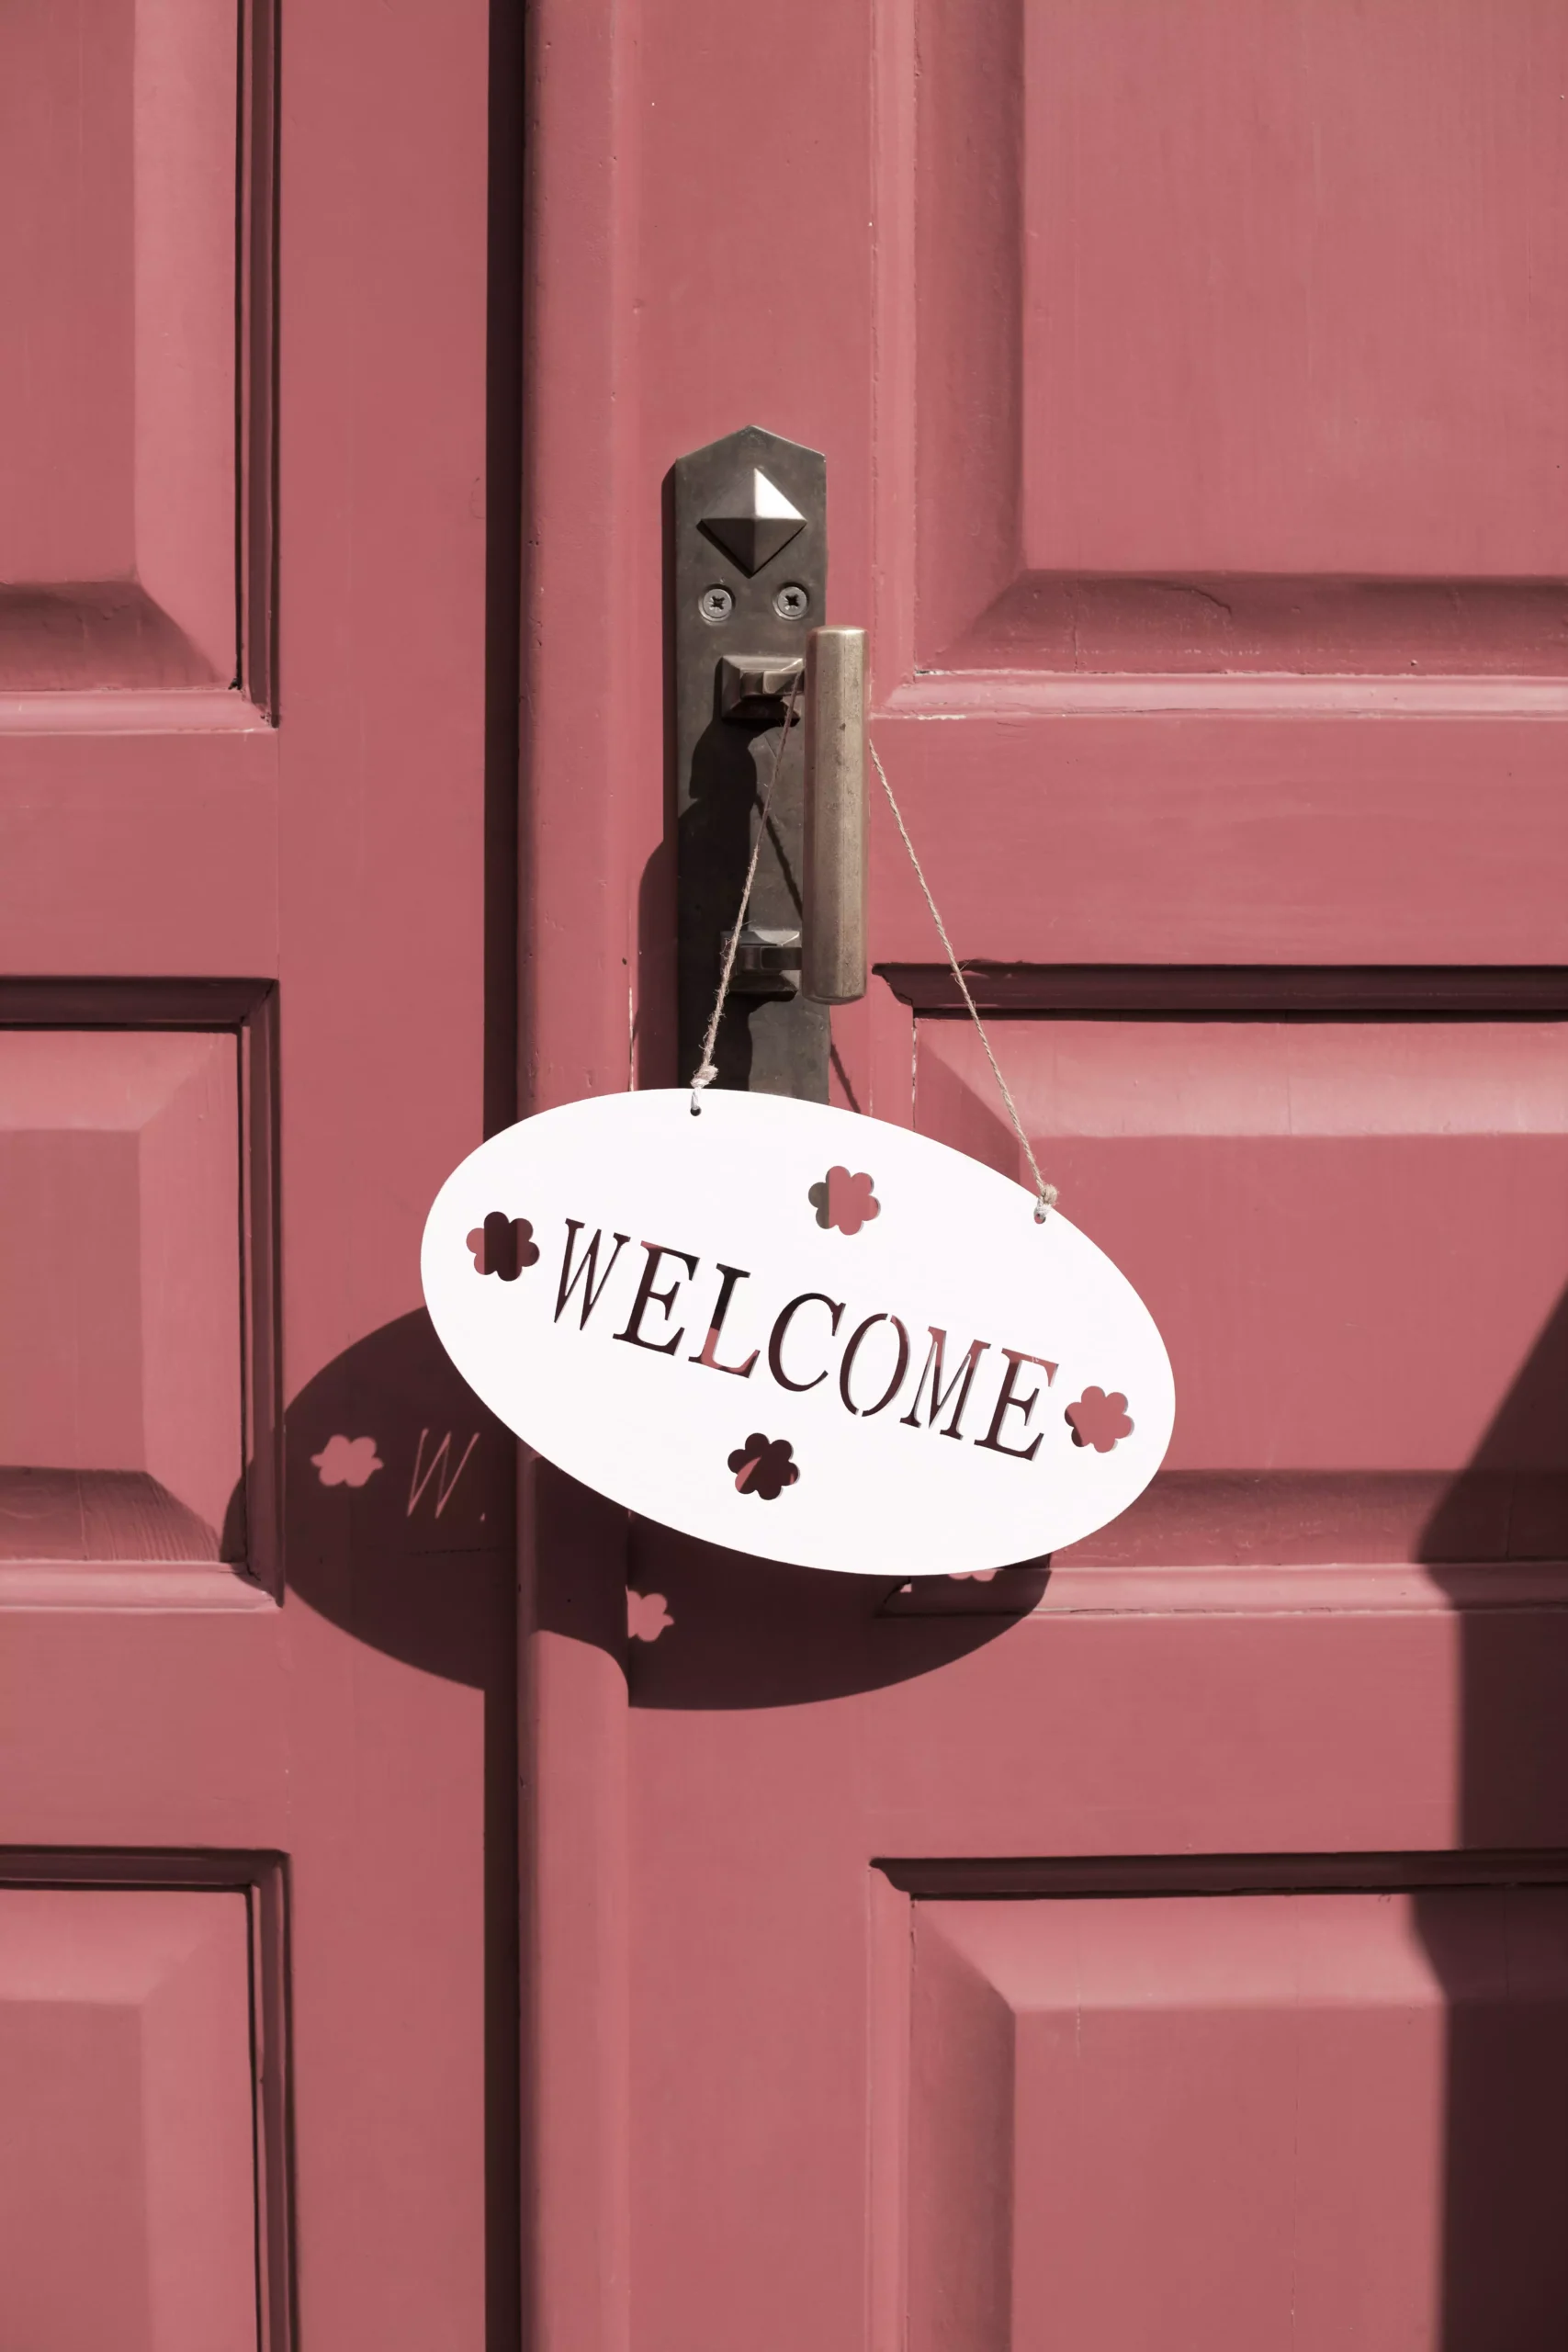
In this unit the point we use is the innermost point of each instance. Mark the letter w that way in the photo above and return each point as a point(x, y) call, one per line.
point(587, 1270)
point(963, 1381)
point(439, 1462)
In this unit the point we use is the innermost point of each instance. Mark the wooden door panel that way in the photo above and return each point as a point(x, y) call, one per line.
point(1272, 330)
point(1204, 511)
point(1211, 310)
point(1353, 1236)
point(120, 149)
point(771, 2096)
point(256, 980)
point(127, 2186)
point(1225, 821)
point(121, 1410)
point(179, 791)
point(1186, 2121)
point(1192, 410)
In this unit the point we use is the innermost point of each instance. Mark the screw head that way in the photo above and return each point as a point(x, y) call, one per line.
point(791, 602)
point(716, 604)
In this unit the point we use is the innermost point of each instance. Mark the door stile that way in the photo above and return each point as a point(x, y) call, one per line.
point(576, 1931)
point(592, 739)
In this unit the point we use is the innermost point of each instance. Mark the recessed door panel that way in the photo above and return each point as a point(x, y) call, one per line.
point(128, 2198)
point(119, 287)
point(1293, 2120)
point(1222, 363)
point(120, 1375)
point(1269, 329)
point(1354, 1236)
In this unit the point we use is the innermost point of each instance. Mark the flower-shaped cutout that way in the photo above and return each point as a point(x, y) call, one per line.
point(845, 1201)
point(504, 1246)
point(763, 1466)
point(1099, 1421)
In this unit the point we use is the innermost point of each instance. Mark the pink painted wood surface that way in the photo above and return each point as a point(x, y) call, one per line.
point(161, 792)
point(1296, 831)
point(592, 1015)
point(1221, 2119)
point(1346, 755)
point(1192, 306)
point(1280, 300)
point(1353, 1237)
point(361, 1730)
point(117, 551)
point(128, 2195)
point(69, 479)
point(121, 1411)
point(751, 1828)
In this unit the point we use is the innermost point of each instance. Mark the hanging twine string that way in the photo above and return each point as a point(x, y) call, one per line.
point(1046, 1194)
point(706, 1069)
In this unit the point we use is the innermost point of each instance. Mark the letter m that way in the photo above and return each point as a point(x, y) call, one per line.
point(960, 1385)
point(587, 1274)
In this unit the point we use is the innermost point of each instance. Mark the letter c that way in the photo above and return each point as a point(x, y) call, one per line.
point(776, 1338)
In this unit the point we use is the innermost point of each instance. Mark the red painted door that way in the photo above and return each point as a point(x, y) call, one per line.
point(257, 1888)
point(1166, 1946)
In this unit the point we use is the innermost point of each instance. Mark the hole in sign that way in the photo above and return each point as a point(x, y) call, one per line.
point(1097, 1419)
point(503, 1244)
point(844, 1201)
point(763, 1466)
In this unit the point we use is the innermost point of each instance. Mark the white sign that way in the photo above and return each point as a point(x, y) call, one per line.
point(797, 1332)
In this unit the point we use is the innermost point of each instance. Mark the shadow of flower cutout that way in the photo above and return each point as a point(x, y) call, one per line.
point(348, 1461)
point(648, 1615)
point(504, 1246)
point(845, 1201)
point(762, 1466)
point(1097, 1419)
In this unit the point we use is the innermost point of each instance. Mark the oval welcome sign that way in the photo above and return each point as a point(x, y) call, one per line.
point(797, 1332)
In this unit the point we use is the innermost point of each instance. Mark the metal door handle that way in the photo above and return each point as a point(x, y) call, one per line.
point(833, 896)
point(747, 581)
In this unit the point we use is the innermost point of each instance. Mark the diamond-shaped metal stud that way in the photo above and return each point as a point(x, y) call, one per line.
point(756, 524)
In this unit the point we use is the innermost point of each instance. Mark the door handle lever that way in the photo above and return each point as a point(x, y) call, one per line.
point(833, 896)
point(827, 955)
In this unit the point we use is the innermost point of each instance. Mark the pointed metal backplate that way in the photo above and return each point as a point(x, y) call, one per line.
point(755, 522)
point(748, 538)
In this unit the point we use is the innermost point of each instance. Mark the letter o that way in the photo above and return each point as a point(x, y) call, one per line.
point(852, 1350)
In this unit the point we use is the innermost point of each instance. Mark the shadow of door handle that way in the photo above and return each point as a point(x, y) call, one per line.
point(833, 896)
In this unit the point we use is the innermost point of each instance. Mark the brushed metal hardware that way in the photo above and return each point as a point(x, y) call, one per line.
point(753, 678)
point(748, 569)
point(755, 522)
point(767, 962)
point(833, 968)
